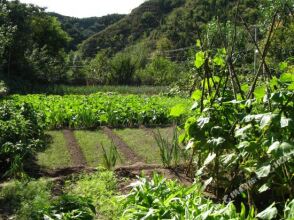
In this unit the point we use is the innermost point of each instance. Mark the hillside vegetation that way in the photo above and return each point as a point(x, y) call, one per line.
point(80, 29)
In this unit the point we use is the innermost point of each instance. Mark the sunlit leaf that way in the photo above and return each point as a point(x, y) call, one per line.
point(259, 92)
point(283, 66)
point(287, 78)
point(263, 171)
point(178, 110)
point(197, 95)
point(200, 59)
point(269, 213)
point(263, 188)
point(198, 43)
point(209, 159)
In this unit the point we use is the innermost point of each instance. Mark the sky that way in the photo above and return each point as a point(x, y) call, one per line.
point(87, 8)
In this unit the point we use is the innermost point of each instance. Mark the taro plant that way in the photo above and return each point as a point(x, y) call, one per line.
point(89, 112)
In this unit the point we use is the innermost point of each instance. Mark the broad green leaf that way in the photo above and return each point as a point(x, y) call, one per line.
point(197, 95)
point(244, 145)
point(202, 122)
point(266, 121)
point(182, 137)
point(245, 88)
point(242, 132)
point(291, 86)
point(259, 92)
point(283, 66)
point(287, 78)
point(285, 122)
point(209, 159)
point(274, 82)
point(198, 43)
point(200, 59)
point(263, 171)
point(195, 106)
point(190, 145)
point(216, 141)
point(206, 183)
point(269, 213)
point(273, 147)
point(281, 149)
point(178, 110)
point(263, 188)
point(216, 79)
point(228, 158)
point(219, 61)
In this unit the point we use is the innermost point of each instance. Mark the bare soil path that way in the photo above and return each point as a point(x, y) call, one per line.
point(77, 156)
point(128, 153)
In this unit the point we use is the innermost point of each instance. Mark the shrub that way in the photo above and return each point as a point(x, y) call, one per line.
point(26, 199)
point(160, 71)
point(21, 135)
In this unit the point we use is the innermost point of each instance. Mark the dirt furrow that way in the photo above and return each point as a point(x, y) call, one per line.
point(77, 156)
point(128, 153)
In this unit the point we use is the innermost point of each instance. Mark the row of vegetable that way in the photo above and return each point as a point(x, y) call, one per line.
point(111, 109)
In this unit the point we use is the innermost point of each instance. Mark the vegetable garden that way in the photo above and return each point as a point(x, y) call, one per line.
point(225, 153)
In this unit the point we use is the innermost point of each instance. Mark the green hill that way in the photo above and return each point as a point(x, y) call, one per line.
point(79, 29)
point(168, 24)
point(139, 24)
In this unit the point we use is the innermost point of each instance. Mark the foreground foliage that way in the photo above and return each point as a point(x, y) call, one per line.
point(21, 135)
point(84, 197)
point(165, 199)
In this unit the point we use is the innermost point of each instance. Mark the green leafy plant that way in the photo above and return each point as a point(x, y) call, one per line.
point(27, 198)
point(89, 112)
point(21, 135)
point(170, 151)
point(101, 188)
point(110, 156)
point(71, 207)
point(159, 198)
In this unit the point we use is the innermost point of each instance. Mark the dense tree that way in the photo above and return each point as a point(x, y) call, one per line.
point(36, 36)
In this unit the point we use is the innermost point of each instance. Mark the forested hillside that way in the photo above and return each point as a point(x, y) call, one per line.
point(153, 45)
point(79, 29)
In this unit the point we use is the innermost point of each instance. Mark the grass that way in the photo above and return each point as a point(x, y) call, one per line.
point(101, 189)
point(166, 133)
point(32, 199)
point(90, 143)
point(142, 143)
point(56, 155)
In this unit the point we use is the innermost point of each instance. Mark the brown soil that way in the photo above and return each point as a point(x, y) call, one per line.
point(77, 157)
point(128, 153)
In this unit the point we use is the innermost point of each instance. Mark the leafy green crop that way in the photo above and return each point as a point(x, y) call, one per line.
point(88, 112)
point(166, 199)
